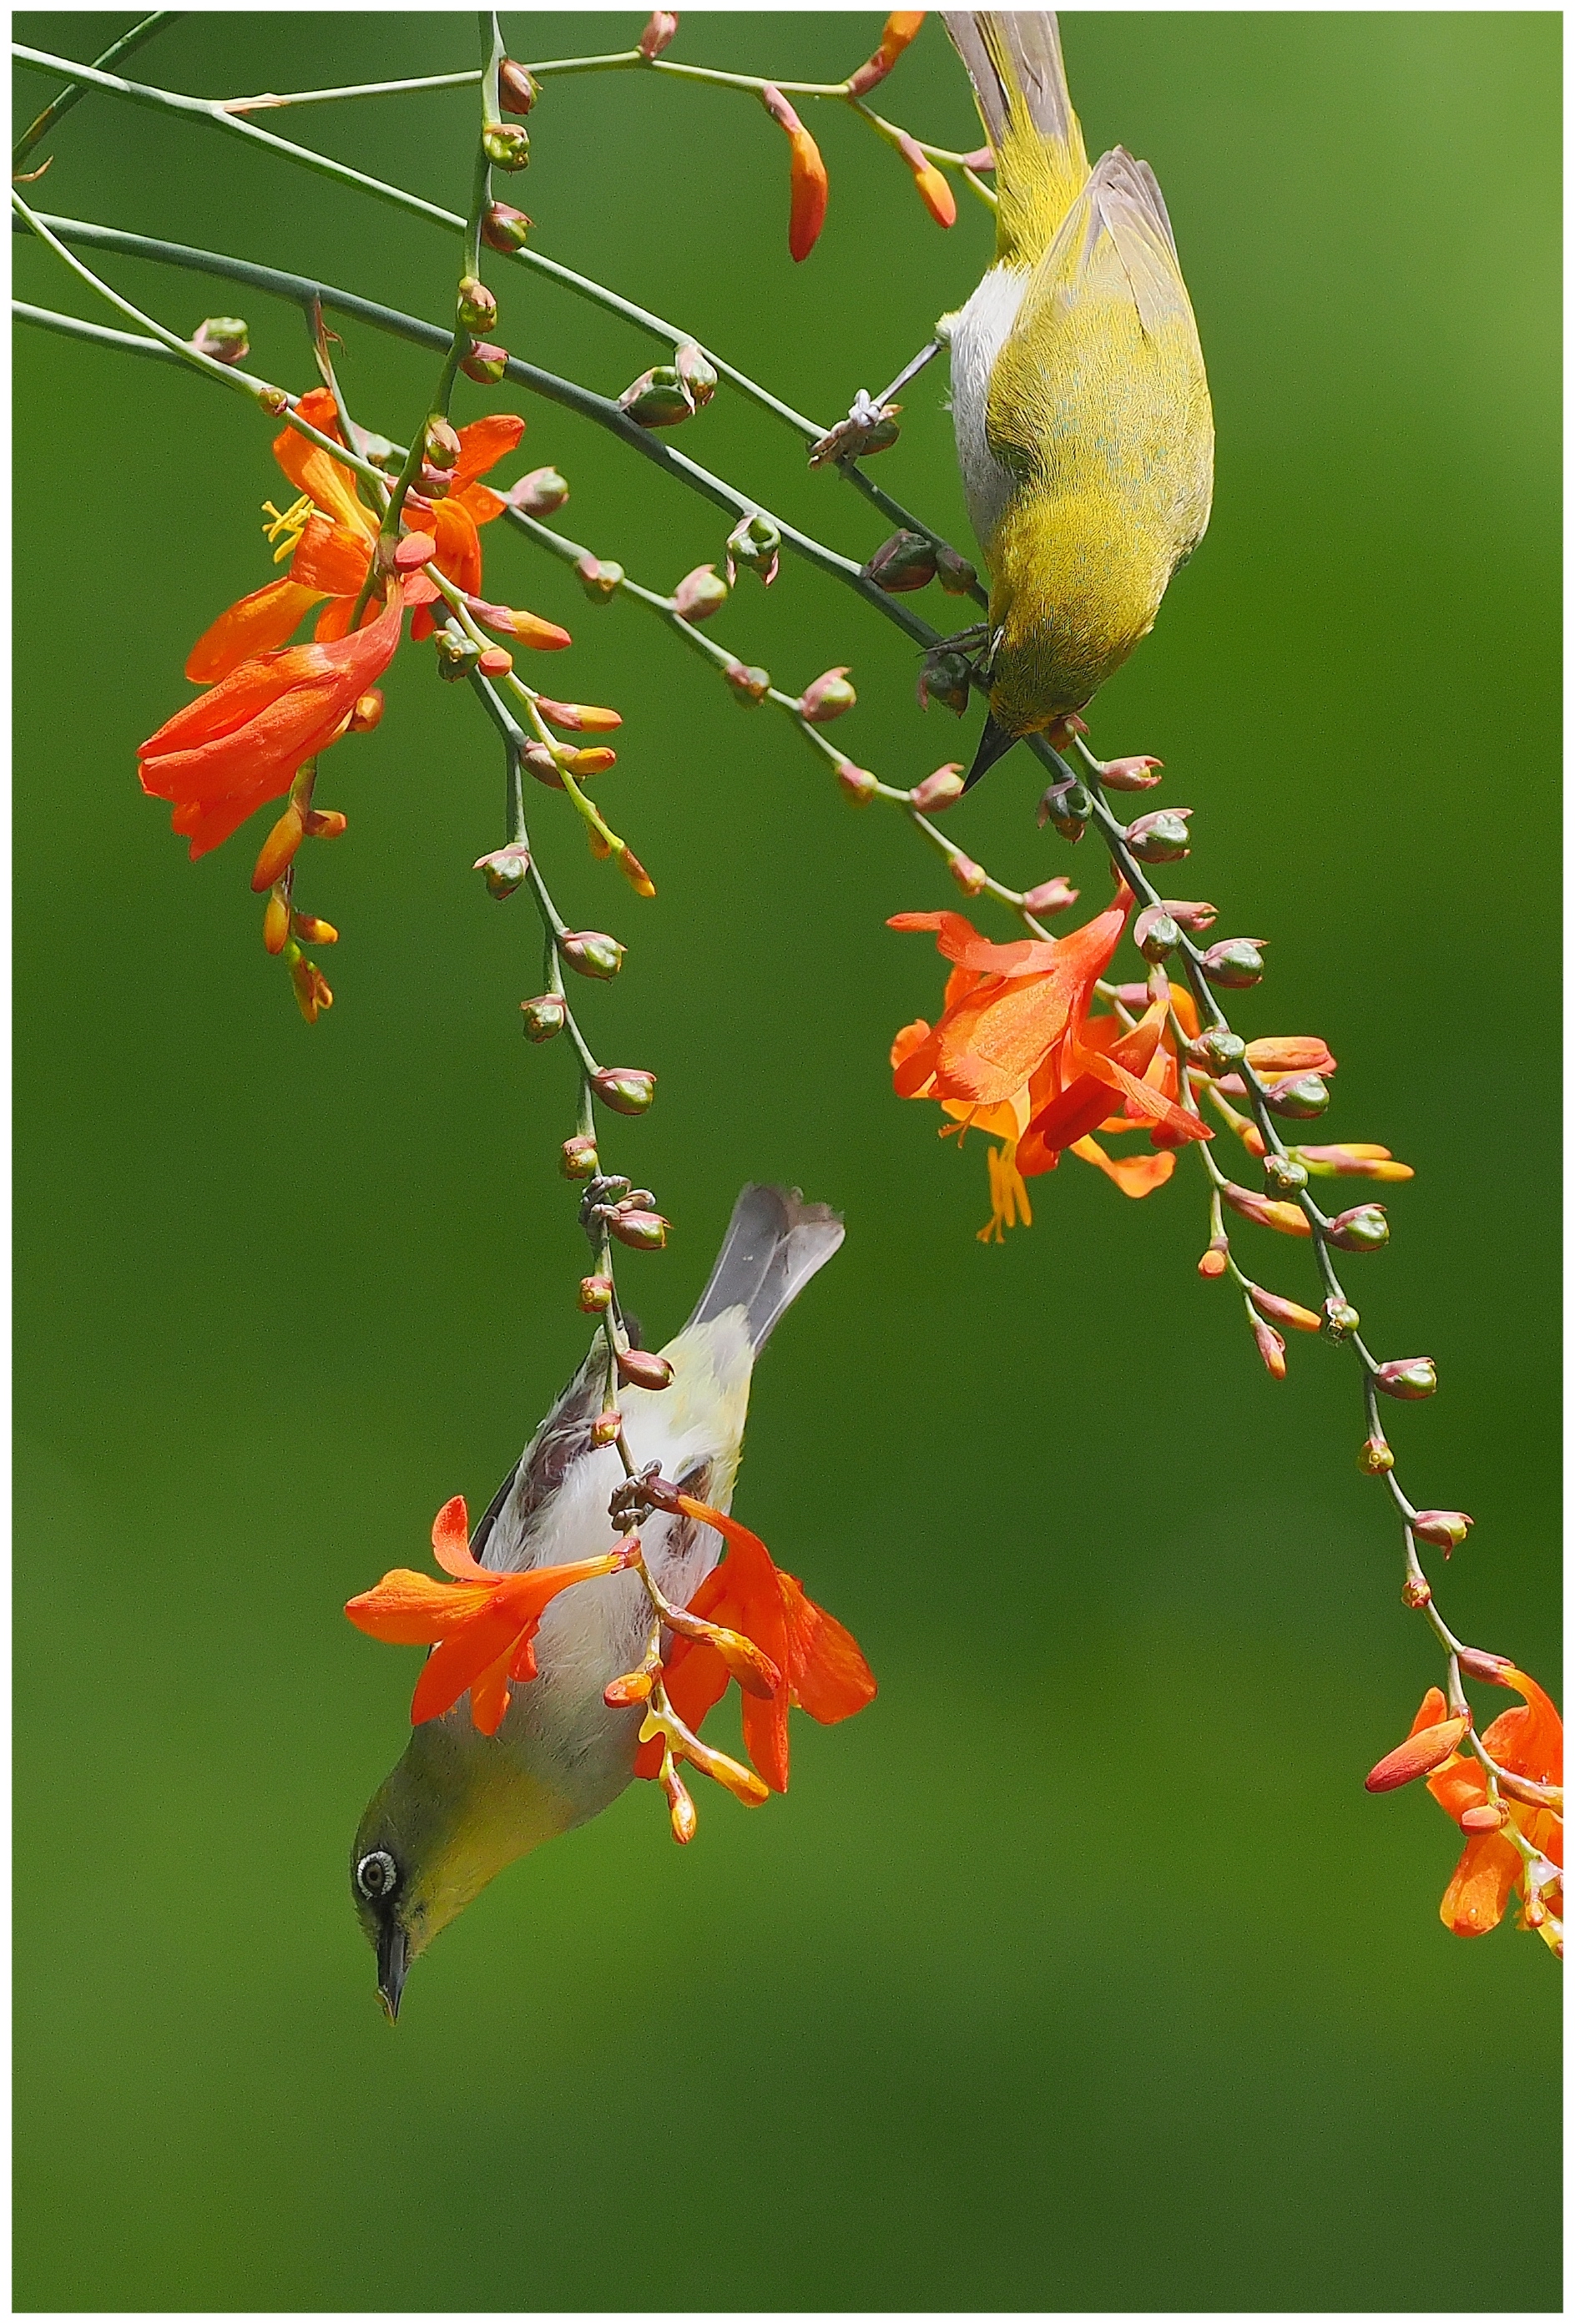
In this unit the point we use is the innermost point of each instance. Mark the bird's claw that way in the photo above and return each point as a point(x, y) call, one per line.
point(869, 426)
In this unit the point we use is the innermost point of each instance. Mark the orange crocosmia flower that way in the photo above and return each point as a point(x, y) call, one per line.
point(481, 1625)
point(1527, 1742)
point(820, 1667)
point(243, 742)
point(1017, 1054)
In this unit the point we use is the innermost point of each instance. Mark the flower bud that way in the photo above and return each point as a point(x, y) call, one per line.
point(1132, 775)
point(595, 1294)
point(945, 677)
point(308, 929)
point(1485, 1818)
point(1286, 1176)
point(412, 550)
point(1271, 1348)
point(1057, 895)
point(477, 311)
point(502, 229)
point(701, 594)
point(857, 784)
point(637, 1367)
point(1354, 1161)
point(808, 183)
point(899, 31)
point(1285, 1218)
point(1066, 805)
point(1410, 1378)
point(1216, 1259)
point(681, 1808)
point(543, 1016)
point(1414, 1592)
point(749, 682)
point(906, 562)
point(970, 877)
point(327, 822)
point(658, 34)
point(827, 697)
point(634, 871)
point(1235, 963)
point(590, 953)
point(1216, 1049)
point(506, 145)
point(939, 790)
point(626, 1089)
point(579, 717)
point(1340, 1319)
point(754, 544)
point(956, 576)
point(223, 338)
point(1496, 1669)
point(538, 493)
point(1161, 837)
point(1196, 918)
point(639, 1229)
point(539, 758)
point(1419, 1755)
point(696, 372)
point(275, 924)
point(1445, 1529)
point(503, 870)
point(367, 714)
point(630, 1686)
point(278, 850)
point(1284, 1311)
point(1375, 1458)
point(457, 655)
point(496, 662)
point(1059, 731)
point(607, 1428)
point(578, 1158)
point(1155, 934)
point(590, 759)
point(1302, 1098)
point(517, 89)
point(657, 399)
point(1364, 1229)
point(485, 365)
point(599, 578)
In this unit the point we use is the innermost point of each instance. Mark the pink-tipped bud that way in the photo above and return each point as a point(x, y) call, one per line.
point(1270, 1347)
point(956, 576)
point(1156, 933)
point(504, 870)
point(367, 714)
point(1131, 774)
point(1409, 1377)
point(577, 1158)
point(278, 850)
point(970, 877)
point(932, 189)
point(749, 682)
point(1057, 895)
point(1161, 837)
point(857, 784)
point(1445, 1529)
point(1235, 963)
point(477, 310)
point(753, 545)
point(626, 1089)
point(906, 562)
point(223, 338)
point(1419, 1755)
point(639, 1230)
point(543, 1016)
point(506, 145)
point(517, 89)
point(538, 493)
point(657, 399)
point(607, 1428)
point(701, 594)
point(1196, 918)
point(484, 363)
point(828, 696)
point(1415, 1592)
point(1284, 1311)
point(591, 953)
point(1496, 1669)
point(1374, 1458)
point(579, 717)
point(696, 371)
point(947, 678)
point(327, 822)
point(1365, 1227)
point(939, 790)
point(637, 1367)
point(601, 578)
point(502, 229)
point(659, 33)
point(1285, 1218)
point(595, 1294)
point(1340, 1319)
point(899, 31)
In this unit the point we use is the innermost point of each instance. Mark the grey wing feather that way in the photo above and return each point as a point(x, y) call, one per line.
point(775, 1242)
point(542, 1467)
point(1031, 39)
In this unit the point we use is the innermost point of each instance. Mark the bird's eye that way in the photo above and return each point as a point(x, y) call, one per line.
point(377, 1875)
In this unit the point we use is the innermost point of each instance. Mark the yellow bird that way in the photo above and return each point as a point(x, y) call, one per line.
point(1084, 430)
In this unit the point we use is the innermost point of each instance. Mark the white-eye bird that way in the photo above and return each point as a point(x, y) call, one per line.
point(1084, 430)
point(460, 1805)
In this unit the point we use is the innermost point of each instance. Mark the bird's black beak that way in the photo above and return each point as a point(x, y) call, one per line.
point(994, 743)
point(392, 1960)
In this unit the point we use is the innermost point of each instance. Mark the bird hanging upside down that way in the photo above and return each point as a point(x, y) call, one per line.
point(462, 1803)
point(1084, 432)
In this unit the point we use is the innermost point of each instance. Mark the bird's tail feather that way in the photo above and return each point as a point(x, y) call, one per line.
point(1014, 60)
point(775, 1242)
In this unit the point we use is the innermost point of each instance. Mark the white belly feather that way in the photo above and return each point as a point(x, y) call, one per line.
point(977, 334)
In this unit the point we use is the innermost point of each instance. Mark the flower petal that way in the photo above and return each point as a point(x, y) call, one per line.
point(1476, 1897)
point(253, 625)
point(451, 1540)
point(411, 1609)
point(483, 444)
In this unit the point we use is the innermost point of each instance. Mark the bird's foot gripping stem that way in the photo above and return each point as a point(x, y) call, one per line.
point(871, 425)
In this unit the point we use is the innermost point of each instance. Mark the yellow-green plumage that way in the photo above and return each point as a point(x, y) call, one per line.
point(1084, 430)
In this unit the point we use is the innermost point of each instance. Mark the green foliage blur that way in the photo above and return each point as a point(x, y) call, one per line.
point(1079, 1973)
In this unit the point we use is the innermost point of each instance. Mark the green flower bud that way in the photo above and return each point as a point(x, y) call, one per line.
point(485, 365)
point(754, 544)
point(1068, 806)
point(590, 953)
point(657, 399)
point(1161, 837)
point(503, 870)
point(1366, 1227)
point(1155, 934)
point(1286, 1175)
point(1411, 1378)
point(906, 562)
point(505, 145)
point(504, 229)
point(477, 307)
point(577, 1158)
point(945, 676)
point(546, 1015)
point(600, 577)
point(223, 337)
point(1302, 1099)
point(1235, 963)
point(696, 370)
point(955, 574)
point(626, 1089)
point(1340, 1319)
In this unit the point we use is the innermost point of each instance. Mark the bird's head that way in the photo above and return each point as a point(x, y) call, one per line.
point(457, 1808)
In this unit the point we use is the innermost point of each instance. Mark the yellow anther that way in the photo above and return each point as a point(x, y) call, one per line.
point(288, 525)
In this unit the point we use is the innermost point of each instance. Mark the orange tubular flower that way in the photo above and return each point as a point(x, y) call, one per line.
point(242, 742)
point(1017, 1054)
point(897, 31)
point(482, 1625)
point(808, 182)
point(820, 1667)
point(1528, 1742)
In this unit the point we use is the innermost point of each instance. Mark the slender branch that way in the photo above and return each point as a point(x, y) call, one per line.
point(37, 129)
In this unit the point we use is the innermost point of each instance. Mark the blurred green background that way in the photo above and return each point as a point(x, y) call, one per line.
point(1078, 1972)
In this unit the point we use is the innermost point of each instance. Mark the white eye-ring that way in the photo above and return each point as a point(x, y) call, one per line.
point(377, 1875)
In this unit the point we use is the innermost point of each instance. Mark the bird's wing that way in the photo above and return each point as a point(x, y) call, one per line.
point(541, 1468)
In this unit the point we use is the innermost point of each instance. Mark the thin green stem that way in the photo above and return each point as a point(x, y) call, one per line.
point(38, 129)
point(269, 100)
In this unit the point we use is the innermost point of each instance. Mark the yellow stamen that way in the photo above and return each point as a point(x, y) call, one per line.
point(1009, 1203)
point(289, 522)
